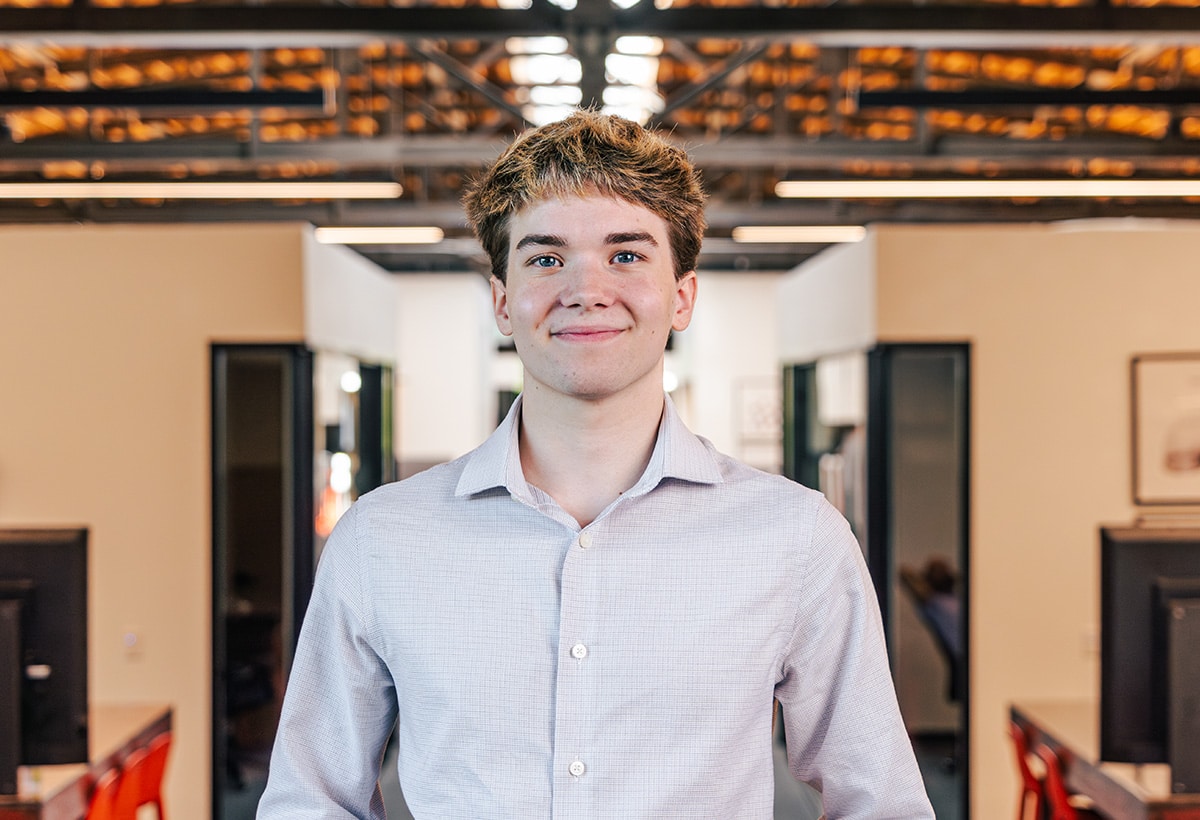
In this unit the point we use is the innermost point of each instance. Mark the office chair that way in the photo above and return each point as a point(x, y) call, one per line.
point(153, 769)
point(142, 778)
point(132, 771)
point(1032, 792)
point(1058, 799)
point(102, 805)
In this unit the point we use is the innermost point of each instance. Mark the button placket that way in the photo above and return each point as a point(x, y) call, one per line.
point(575, 698)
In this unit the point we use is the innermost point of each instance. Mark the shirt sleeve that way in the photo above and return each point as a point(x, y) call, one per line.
point(340, 704)
point(843, 727)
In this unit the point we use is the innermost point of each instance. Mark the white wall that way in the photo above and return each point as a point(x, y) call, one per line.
point(447, 339)
point(349, 302)
point(447, 363)
point(827, 305)
point(729, 361)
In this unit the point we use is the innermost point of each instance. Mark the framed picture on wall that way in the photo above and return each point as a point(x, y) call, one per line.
point(759, 410)
point(1166, 428)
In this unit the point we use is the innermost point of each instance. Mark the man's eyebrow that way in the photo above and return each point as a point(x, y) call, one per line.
point(541, 239)
point(630, 236)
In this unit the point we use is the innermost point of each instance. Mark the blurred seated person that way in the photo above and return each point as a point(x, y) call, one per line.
point(932, 590)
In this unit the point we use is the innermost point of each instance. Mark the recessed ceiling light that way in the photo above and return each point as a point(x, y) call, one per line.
point(985, 188)
point(820, 234)
point(380, 235)
point(200, 190)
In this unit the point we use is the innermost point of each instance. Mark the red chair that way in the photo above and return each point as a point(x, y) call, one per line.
point(1058, 799)
point(102, 805)
point(1032, 793)
point(153, 770)
point(132, 770)
point(143, 777)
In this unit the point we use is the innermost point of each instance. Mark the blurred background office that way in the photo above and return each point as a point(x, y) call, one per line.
point(200, 366)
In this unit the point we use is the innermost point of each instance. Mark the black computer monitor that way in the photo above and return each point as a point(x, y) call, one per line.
point(1150, 649)
point(43, 649)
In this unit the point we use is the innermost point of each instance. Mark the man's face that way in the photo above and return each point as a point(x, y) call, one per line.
point(591, 296)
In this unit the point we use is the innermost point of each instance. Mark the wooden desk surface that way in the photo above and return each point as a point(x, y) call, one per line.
point(61, 792)
point(1122, 791)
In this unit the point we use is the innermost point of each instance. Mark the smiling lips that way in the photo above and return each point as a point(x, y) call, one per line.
point(587, 334)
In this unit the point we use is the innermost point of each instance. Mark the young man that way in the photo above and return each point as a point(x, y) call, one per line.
point(590, 615)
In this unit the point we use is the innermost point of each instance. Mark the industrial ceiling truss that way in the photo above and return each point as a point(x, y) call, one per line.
point(423, 94)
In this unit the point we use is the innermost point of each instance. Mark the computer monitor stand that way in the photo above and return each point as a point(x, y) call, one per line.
point(10, 694)
point(1183, 705)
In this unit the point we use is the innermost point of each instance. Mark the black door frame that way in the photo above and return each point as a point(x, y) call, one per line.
point(879, 509)
point(300, 508)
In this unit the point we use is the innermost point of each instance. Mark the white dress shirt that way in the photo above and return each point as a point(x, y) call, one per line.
point(621, 671)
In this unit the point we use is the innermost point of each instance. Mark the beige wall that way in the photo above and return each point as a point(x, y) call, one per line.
point(104, 421)
point(1053, 316)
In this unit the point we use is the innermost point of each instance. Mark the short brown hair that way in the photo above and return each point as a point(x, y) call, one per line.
point(584, 153)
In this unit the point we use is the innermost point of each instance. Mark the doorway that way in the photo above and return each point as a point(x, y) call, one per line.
point(918, 483)
point(297, 436)
point(262, 423)
point(885, 435)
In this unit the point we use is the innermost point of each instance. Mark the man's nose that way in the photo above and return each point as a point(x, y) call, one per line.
point(589, 284)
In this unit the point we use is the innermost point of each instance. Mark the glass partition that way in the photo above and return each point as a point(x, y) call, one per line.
point(297, 436)
point(884, 435)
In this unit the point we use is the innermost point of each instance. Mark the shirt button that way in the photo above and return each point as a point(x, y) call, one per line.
point(578, 651)
point(585, 539)
point(577, 768)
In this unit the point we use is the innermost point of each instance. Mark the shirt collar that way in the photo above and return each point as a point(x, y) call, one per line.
point(678, 453)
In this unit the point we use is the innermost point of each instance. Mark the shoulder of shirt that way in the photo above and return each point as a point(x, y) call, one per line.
point(767, 488)
point(434, 484)
point(734, 470)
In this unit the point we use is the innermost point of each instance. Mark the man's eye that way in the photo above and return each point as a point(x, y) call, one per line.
point(543, 261)
point(625, 257)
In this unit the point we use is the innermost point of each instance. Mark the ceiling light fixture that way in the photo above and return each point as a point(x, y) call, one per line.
point(816, 234)
point(986, 188)
point(536, 45)
point(200, 190)
point(380, 235)
point(173, 99)
point(640, 45)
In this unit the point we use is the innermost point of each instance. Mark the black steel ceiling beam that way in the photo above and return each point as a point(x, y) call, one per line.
point(684, 96)
point(468, 76)
point(463, 254)
point(229, 155)
point(849, 25)
point(923, 25)
point(720, 215)
point(588, 32)
point(264, 26)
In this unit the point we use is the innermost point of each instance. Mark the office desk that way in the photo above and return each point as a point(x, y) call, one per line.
point(1121, 791)
point(62, 791)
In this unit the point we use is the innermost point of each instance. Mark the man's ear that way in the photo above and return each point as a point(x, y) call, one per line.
point(500, 306)
point(685, 300)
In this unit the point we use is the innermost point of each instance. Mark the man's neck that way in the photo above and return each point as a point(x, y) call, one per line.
point(585, 453)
